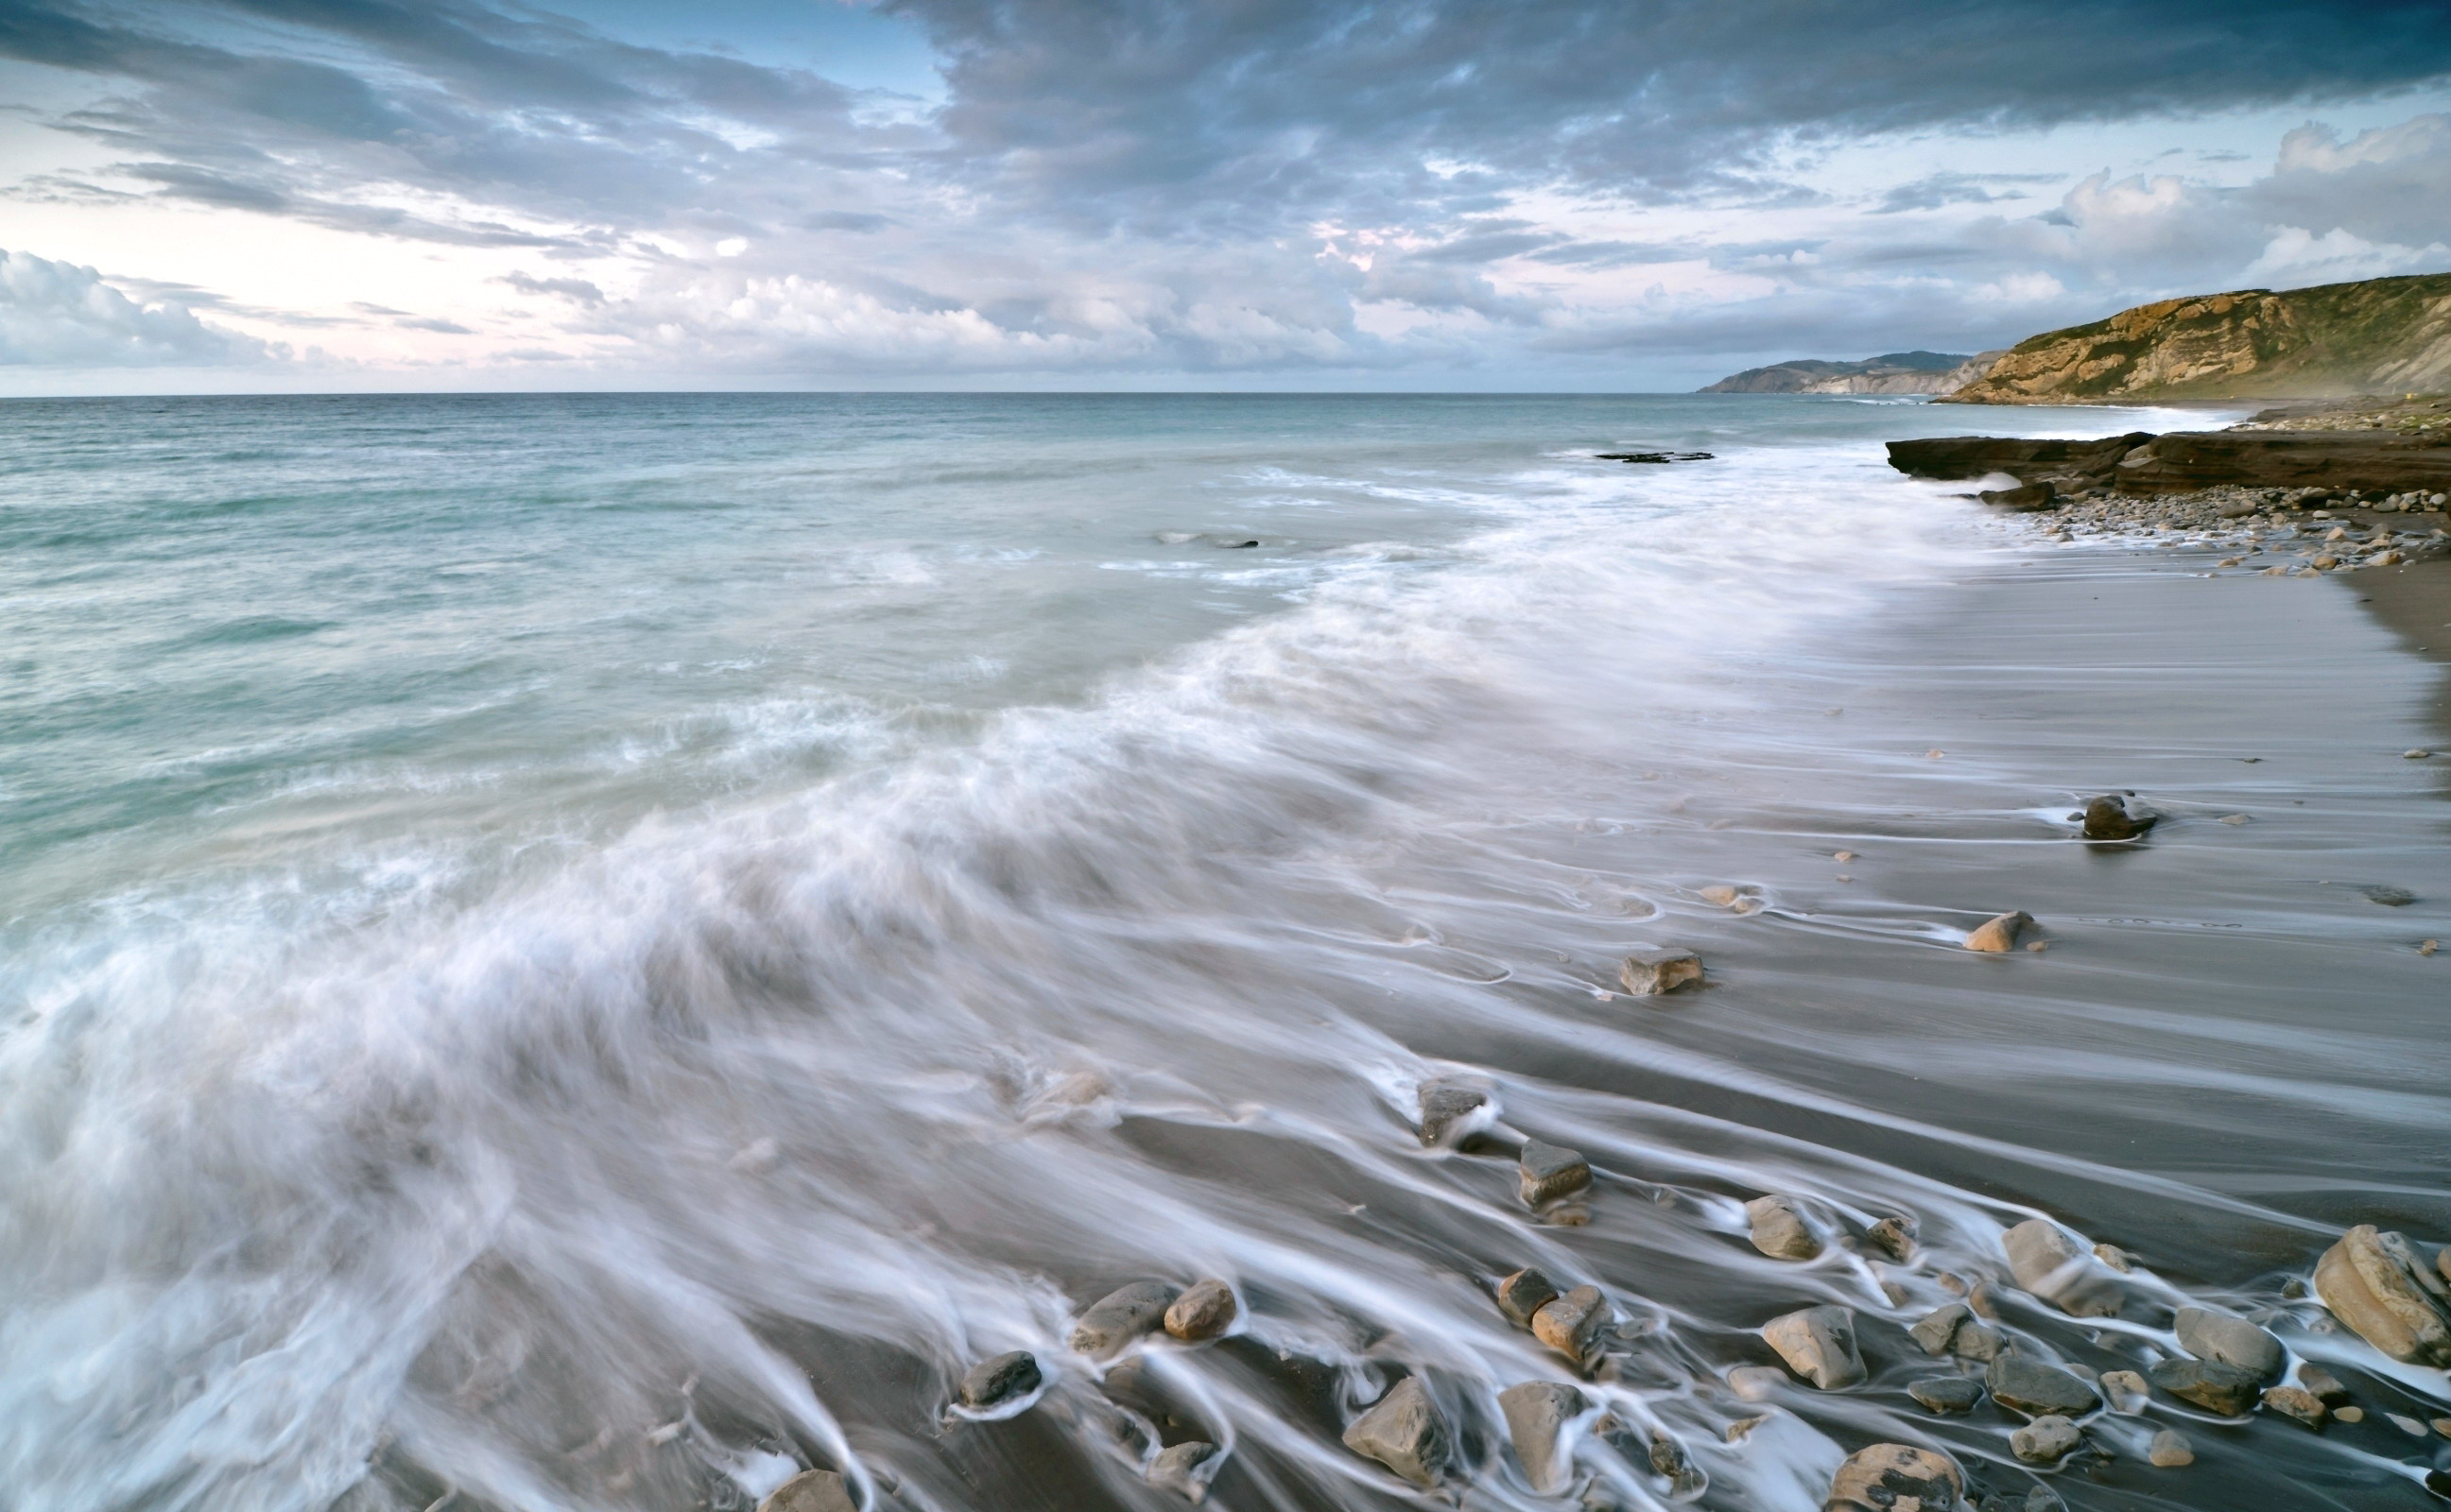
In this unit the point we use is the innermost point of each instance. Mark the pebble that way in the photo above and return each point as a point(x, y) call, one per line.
point(2054, 1266)
point(2039, 1389)
point(2429, 947)
point(1843, 857)
point(2329, 1389)
point(1405, 1432)
point(811, 1491)
point(2295, 1403)
point(2349, 1414)
point(2210, 1335)
point(1176, 1469)
point(1571, 1324)
point(2126, 1391)
point(1524, 1293)
point(1722, 895)
point(1895, 1478)
point(2216, 1387)
point(2116, 1258)
point(2373, 1281)
point(1121, 1316)
point(1447, 1106)
point(1994, 936)
point(2046, 1439)
point(2415, 755)
point(1203, 1311)
point(1547, 1172)
point(2389, 897)
point(2108, 817)
point(1893, 1236)
point(1936, 1328)
point(1537, 1413)
point(1780, 1230)
point(1649, 973)
point(2440, 1425)
point(1819, 1345)
point(1945, 1393)
point(1754, 1383)
point(2407, 1425)
point(999, 1379)
point(2170, 1449)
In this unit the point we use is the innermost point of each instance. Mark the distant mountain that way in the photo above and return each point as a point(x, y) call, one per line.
point(1897, 373)
point(2379, 336)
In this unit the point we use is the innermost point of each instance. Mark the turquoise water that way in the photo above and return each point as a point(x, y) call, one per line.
point(595, 951)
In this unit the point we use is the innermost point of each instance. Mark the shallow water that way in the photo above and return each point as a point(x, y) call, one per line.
point(589, 952)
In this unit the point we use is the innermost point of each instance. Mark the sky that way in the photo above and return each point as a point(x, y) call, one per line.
point(1568, 195)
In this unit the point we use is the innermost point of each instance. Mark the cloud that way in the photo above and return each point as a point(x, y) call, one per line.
point(60, 314)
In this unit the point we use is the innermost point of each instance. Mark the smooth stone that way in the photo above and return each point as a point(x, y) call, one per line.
point(1893, 1236)
point(811, 1491)
point(2349, 1414)
point(1571, 1322)
point(2210, 1335)
point(2046, 1439)
point(1203, 1311)
point(2050, 1263)
point(2038, 1389)
point(1000, 1378)
point(1935, 1329)
point(1779, 1229)
point(1818, 1343)
point(2407, 1425)
point(1444, 1106)
point(1947, 1393)
point(1977, 1340)
point(1524, 1293)
point(1994, 936)
point(2216, 1387)
point(2170, 1449)
point(1547, 1172)
point(1121, 1316)
point(1649, 973)
point(1668, 1461)
point(1895, 1478)
point(2373, 1281)
point(1721, 895)
point(1754, 1383)
point(2294, 1402)
point(1174, 1469)
point(1404, 1432)
point(2126, 1391)
point(2108, 818)
point(2116, 1258)
point(2329, 1389)
point(1537, 1413)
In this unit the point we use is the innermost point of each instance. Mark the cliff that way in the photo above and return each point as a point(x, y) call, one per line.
point(1897, 373)
point(2372, 337)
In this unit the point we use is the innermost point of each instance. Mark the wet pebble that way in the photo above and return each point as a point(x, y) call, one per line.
point(1572, 1323)
point(1000, 1379)
point(2126, 1390)
point(1754, 1383)
point(1895, 1478)
point(811, 1491)
point(2210, 1335)
point(2045, 1440)
point(2216, 1387)
point(2329, 1389)
point(2295, 1402)
point(1121, 1316)
point(1547, 1172)
point(1819, 1345)
point(1405, 1432)
point(2373, 1281)
point(1177, 1469)
point(1204, 1311)
point(2170, 1449)
point(1893, 1236)
point(1997, 934)
point(1448, 1106)
point(1945, 1393)
point(1780, 1230)
point(1524, 1293)
point(2032, 1386)
point(1537, 1413)
point(2050, 1263)
point(1650, 973)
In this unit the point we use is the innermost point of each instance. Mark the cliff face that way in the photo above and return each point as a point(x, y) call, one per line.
point(1897, 373)
point(2378, 335)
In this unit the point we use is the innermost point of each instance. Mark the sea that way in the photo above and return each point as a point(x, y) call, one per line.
point(598, 952)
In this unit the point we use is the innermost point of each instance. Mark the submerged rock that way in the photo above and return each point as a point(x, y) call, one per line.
point(2110, 817)
point(2050, 1263)
point(811, 1491)
point(1649, 973)
point(1998, 935)
point(1524, 1293)
point(2046, 1439)
point(1754, 1383)
point(999, 1379)
point(1945, 1393)
point(1780, 1230)
point(2222, 1389)
point(2039, 1389)
point(1404, 1432)
point(1177, 1466)
point(2373, 1281)
point(2329, 1389)
point(1895, 1478)
point(1570, 1323)
point(1537, 1413)
point(2170, 1449)
point(2210, 1335)
point(2291, 1402)
point(1546, 1171)
point(1819, 1345)
point(1447, 1106)
point(1121, 1316)
point(1203, 1311)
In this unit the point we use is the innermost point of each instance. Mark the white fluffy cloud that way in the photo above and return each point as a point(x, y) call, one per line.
point(60, 314)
